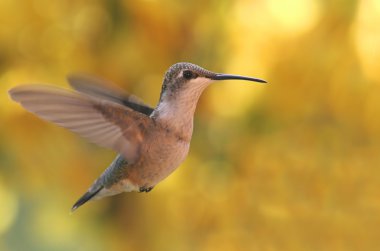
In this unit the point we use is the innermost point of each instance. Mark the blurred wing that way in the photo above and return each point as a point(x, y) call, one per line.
point(102, 89)
point(100, 121)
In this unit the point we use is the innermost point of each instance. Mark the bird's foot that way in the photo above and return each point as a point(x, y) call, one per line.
point(145, 189)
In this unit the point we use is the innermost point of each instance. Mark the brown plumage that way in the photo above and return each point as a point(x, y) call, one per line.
point(151, 142)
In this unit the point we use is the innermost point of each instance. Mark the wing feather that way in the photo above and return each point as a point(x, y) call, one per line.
point(105, 123)
point(102, 89)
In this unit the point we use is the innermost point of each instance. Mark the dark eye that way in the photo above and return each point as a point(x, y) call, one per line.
point(188, 74)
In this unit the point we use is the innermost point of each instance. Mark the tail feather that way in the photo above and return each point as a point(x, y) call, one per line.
point(86, 197)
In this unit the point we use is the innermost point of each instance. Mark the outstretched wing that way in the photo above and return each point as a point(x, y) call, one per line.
point(102, 89)
point(102, 122)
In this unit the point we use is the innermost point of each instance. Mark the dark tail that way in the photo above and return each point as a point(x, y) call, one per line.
point(86, 197)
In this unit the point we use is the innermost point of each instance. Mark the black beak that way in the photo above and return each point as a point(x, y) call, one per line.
point(220, 76)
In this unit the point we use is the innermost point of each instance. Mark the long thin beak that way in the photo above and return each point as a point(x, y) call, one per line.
point(220, 76)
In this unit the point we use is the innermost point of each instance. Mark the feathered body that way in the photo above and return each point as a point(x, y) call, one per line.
point(151, 143)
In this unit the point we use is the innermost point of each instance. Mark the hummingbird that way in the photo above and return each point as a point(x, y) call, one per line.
point(151, 142)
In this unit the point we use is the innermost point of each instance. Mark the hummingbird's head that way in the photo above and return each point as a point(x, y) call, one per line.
point(193, 79)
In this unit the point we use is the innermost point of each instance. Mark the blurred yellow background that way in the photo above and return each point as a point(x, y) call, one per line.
point(293, 165)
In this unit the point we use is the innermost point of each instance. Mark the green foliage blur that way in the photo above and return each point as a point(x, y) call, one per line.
point(292, 165)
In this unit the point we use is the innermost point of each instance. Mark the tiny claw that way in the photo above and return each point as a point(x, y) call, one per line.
point(145, 189)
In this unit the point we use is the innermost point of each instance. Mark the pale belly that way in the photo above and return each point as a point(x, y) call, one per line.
point(159, 161)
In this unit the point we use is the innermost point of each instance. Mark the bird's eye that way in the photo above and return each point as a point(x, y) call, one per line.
point(188, 74)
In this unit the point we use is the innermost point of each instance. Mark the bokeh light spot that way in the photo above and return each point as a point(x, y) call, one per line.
point(367, 37)
point(294, 16)
point(8, 209)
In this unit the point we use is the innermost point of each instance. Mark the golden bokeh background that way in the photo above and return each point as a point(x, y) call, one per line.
point(293, 165)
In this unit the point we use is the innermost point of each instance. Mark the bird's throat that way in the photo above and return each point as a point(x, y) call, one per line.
point(177, 112)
